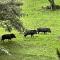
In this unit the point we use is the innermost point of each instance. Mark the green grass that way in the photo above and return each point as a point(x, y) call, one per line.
point(39, 47)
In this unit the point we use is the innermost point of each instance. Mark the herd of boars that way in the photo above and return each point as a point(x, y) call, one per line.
point(27, 32)
point(37, 31)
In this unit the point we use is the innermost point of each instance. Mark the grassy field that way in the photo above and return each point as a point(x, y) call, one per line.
point(39, 47)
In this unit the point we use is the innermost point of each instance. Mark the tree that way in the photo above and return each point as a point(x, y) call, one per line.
point(58, 53)
point(10, 14)
point(52, 4)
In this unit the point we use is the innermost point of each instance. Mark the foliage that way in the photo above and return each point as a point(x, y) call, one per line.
point(10, 14)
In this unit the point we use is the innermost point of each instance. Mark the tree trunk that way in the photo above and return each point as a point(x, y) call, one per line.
point(52, 4)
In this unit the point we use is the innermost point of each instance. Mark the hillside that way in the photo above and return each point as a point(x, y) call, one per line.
point(41, 46)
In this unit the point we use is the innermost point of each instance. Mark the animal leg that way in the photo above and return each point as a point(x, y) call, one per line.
point(38, 32)
point(31, 35)
point(44, 32)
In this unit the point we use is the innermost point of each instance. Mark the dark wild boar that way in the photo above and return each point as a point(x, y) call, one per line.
point(45, 30)
point(30, 32)
point(8, 36)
